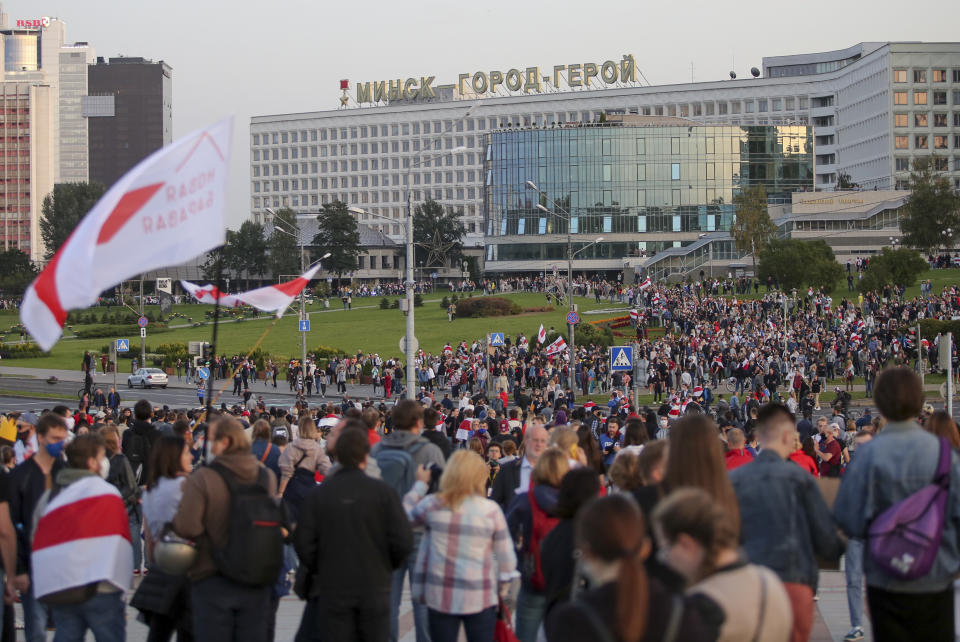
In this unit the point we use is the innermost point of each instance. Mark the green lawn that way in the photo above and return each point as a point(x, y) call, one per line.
point(369, 329)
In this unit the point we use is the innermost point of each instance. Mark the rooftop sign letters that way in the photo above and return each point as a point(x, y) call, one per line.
point(35, 23)
point(481, 83)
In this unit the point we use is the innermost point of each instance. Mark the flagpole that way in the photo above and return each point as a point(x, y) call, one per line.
point(213, 340)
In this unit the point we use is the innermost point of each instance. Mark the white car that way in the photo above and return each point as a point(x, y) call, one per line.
point(147, 378)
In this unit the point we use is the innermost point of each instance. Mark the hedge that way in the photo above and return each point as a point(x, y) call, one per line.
point(929, 328)
point(105, 331)
point(487, 307)
point(21, 351)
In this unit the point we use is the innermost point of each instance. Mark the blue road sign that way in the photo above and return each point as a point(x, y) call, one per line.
point(123, 345)
point(621, 358)
point(203, 373)
point(573, 318)
point(142, 322)
point(304, 325)
point(496, 340)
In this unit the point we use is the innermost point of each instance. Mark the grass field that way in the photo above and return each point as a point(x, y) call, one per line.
point(366, 328)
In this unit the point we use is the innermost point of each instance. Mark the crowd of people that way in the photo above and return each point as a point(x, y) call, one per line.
point(581, 522)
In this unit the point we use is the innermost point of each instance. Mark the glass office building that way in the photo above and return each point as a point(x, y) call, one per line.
point(644, 184)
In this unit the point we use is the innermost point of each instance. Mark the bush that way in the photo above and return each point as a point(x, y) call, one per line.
point(395, 305)
point(417, 300)
point(384, 303)
point(444, 303)
point(487, 307)
point(326, 352)
point(21, 351)
point(113, 331)
point(897, 267)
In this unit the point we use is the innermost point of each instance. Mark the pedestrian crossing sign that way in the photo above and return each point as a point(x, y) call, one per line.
point(621, 358)
point(496, 340)
point(123, 345)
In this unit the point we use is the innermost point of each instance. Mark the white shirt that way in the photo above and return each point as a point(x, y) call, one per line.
point(526, 468)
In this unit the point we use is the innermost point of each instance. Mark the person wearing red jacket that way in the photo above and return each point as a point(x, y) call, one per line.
point(737, 453)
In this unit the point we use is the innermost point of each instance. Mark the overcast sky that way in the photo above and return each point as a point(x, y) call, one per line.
point(252, 58)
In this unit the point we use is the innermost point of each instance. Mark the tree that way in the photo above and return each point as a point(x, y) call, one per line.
point(282, 248)
point(899, 266)
point(62, 211)
point(245, 251)
point(845, 182)
point(337, 235)
point(752, 229)
point(16, 271)
point(794, 264)
point(437, 235)
point(933, 207)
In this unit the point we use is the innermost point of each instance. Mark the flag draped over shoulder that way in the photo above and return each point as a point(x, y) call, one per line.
point(82, 537)
point(271, 298)
point(166, 210)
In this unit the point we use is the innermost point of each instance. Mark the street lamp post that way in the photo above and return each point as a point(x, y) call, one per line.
point(303, 268)
point(571, 382)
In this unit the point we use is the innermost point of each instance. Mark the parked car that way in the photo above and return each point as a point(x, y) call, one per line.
point(147, 378)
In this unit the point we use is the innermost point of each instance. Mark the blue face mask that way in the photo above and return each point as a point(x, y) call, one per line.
point(55, 449)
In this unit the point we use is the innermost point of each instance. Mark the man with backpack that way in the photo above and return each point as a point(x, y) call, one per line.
point(353, 533)
point(398, 455)
point(904, 480)
point(139, 439)
point(229, 508)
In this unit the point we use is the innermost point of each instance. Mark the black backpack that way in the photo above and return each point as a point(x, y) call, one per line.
point(137, 452)
point(253, 552)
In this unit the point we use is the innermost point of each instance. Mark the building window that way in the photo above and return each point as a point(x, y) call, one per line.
point(920, 141)
point(956, 141)
point(674, 145)
point(899, 75)
point(940, 163)
point(919, 98)
point(256, 139)
point(607, 147)
point(748, 107)
point(607, 173)
point(902, 142)
point(711, 171)
point(903, 164)
point(641, 147)
point(901, 120)
point(641, 198)
point(939, 120)
point(919, 75)
point(920, 120)
point(762, 105)
point(956, 119)
point(641, 172)
point(940, 142)
point(899, 98)
point(777, 104)
point(722, 108)
point(788, 103)
point(939, 98)
point(675, 171)
point(939, 75)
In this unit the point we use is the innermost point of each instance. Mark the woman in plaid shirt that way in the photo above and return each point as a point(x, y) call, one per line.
point(467, 533)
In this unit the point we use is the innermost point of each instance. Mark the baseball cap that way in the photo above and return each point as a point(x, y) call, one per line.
point(28, 418)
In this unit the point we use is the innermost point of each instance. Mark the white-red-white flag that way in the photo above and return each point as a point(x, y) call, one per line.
point(646, 283)
point(168, 209)
point(542, 335)
point(557, 346)
point(82, 537)
point(270, 298)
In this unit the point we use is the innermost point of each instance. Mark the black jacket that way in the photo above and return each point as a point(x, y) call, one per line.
point(352, 534)
point(27, 483)
point(505, 485)
point(440, 440)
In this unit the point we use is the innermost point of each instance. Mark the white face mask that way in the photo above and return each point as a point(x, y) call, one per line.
point(70, 422)
point(104, 467)
point(210, 457)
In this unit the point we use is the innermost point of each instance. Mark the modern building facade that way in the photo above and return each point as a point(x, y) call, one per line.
point(873, 108)
point(642, 183)
point(130, 112)
point(74, 141)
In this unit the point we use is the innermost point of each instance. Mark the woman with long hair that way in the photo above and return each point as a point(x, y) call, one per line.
point(121, 475)
point(530, 517)
point(299, 463)
point(698, 539)
point(465, 534)
point(624, 604)
point(170, 463)
point(942, 425)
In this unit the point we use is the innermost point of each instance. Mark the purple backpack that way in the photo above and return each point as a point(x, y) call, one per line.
point(904, 539)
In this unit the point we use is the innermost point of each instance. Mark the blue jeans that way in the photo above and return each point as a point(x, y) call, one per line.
point(34, 617)
point(136, 521)
point(396, 596)
point(224, 611)
point(103, 614)
point(479, 627)
point(853, 567)
point(530, 609)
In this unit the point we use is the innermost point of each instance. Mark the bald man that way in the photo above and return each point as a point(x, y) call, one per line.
point(514, 477)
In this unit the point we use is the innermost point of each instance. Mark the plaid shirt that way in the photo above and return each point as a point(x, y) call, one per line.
point(454, 571)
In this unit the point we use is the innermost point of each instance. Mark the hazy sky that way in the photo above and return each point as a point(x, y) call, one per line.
point(252, 58)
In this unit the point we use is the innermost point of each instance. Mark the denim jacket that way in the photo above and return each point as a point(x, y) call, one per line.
point(784, 519)
point(896, 463)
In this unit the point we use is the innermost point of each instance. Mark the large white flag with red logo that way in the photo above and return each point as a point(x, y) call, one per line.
point(166, 210)
point(557, 346)
point(82, 537)
point(271, 298)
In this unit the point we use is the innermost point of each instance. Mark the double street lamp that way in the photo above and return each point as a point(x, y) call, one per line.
point(565, 215)
point(280, 226)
